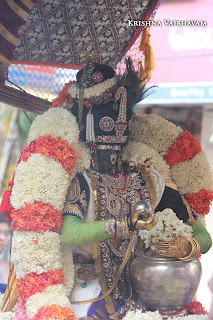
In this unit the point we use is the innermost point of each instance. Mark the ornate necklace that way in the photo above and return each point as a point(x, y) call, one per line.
point(114, 182)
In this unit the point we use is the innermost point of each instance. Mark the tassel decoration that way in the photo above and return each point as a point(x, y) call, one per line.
point(5, 206)
point(90, 132)
point(145, 47)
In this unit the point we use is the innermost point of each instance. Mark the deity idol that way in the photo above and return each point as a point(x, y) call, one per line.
point(106, 172)
point(99, 212)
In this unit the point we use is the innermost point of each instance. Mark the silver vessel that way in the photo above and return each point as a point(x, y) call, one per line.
point(165, 284)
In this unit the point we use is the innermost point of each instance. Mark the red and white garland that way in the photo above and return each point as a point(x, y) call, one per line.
point(42, 176)
point(181, 151)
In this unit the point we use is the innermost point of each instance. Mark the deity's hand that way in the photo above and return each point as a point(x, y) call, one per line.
point(143, 217)
point(180, 247)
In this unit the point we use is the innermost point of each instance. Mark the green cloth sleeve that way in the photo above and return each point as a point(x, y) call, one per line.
point(200, 233)
point(77, 232)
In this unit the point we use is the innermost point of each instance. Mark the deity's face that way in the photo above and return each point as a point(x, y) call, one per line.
point(107, 161)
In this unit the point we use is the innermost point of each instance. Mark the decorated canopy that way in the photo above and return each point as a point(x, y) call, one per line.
point(58, 31)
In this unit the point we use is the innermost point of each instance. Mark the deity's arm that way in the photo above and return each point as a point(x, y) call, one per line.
point(77, 232)
point(172, 199)
point(200, 233)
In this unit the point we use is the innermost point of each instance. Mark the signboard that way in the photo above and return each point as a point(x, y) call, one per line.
point(183, 43)
point(181, 93)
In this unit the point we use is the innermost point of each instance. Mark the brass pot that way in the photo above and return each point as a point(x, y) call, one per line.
point(165, 284)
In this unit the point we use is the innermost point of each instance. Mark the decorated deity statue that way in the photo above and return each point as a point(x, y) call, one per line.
point(100, 203)
point(90, 161)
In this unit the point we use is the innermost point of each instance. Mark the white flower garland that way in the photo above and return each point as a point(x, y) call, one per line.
point(51, 295)
point(95, 91)
point(34, 182)
point(35, 252)
point(138, 315)
point(154, 131)
point(190, 317)
point(42, 179)
point(139, 153)
point(57, 122)
point(167, 223)
point(192, 175)
point(68, 268)
point(7, 315)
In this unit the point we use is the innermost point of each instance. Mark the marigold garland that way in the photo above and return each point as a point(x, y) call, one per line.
point(55, 148)
point(54, 312)
point(200, 201)
point(33, 283)
point(184, 148)
point(63, 95)
point(39, 217)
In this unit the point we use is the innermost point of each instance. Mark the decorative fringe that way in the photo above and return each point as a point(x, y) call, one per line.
point(145, 47)
point(90, 132)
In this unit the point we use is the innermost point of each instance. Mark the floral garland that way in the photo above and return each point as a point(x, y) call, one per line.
point(41, 180)
point(184, 148)
point(95, 91)
point(155, 132)
point(63, 95)
point(195, 307)
point(148, 315)
point(167, 223)
point(57, 149)
point(138, 153)
point(189, 168)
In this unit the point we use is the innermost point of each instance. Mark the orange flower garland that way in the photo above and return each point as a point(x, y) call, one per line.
point(38, 217)
point(33, 283)
point(55, 148)
point(200, 201)
point(54, 312)
point(63, 95)
point(184, 148)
